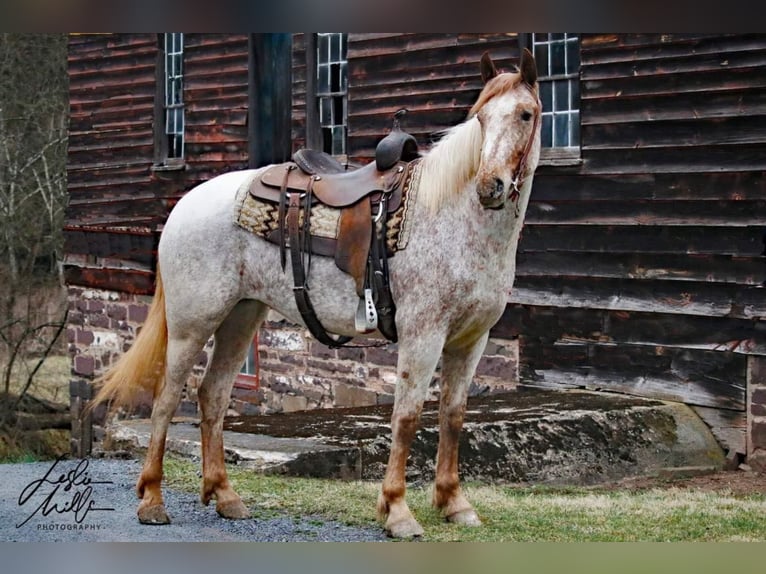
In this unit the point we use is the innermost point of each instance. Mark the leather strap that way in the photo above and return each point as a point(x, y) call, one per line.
point(520, 175)
point(281, 215)
point(378, 277)
point(300, 288)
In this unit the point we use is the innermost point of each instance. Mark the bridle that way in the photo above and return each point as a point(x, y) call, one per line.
point(517, 179)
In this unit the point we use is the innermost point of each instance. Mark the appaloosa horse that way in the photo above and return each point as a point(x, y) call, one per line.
point(450, 285)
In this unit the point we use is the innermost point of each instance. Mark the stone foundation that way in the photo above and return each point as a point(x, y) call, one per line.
point(756, 413)
point(296, 372)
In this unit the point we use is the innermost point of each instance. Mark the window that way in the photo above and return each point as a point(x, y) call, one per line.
point(558, 66)
point(331, 90)
point(248, 376)
point(170, 137)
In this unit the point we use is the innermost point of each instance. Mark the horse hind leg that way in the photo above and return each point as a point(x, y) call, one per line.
point(232, 340)
point(458, 368)
point(181, 354)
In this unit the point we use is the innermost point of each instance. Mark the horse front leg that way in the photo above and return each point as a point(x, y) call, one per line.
point(416, 364)
point(458, 368)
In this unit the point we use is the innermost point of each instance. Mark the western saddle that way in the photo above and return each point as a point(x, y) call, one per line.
point(365, 197)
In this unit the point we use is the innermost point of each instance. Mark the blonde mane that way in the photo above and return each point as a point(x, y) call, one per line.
point(450, 164)
point(454, 160)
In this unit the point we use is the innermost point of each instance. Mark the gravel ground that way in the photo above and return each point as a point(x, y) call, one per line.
point(113, 486)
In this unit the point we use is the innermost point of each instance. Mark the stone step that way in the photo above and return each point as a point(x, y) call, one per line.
point(531, 436)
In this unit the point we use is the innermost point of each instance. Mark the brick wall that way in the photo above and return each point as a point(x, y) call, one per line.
point(102, 325)
point(756, 413)
point(296, 372)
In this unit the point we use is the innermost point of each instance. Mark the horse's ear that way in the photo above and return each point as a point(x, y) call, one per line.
point(528, 68)
point(488, 70)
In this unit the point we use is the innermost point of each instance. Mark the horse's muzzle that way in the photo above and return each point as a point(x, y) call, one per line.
point(492, 194)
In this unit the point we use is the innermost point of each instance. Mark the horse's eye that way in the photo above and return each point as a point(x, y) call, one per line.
point(526, 116)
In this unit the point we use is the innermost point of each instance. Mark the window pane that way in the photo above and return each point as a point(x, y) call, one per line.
point(546, 131)
point(541, 58)
point(574, 94)
point(560, 130)
point(323, 79)
point(325, 111)
point(337, 112)
point(557, 36)
point(335, 48)
point(573, 57)
point(338, 140)
point(574, 129)
point(546, 95)
point(335, 77)
point(561, 96)
point(323, 48)
point(557, 58)
point(343, 46)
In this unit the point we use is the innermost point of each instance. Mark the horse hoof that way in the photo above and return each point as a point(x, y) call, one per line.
point(407, 528)
point(233, 510)
point(154, 514)
point(466, 517)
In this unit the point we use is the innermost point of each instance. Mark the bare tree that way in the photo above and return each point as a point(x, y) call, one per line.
point(33, 127)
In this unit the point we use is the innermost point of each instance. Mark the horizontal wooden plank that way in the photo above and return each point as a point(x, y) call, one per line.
point(710, 268)
point(744, 241)
point(136, 246)
point(555, 184)
point(698, 377)
point(680, 133)
point(366, 46)
point(549, 323)
point(721, 58)
point(616, 45)
point(649, 212)
point(662, 107)
point(709, 82)
point(700, 158)
point(650, 295)
point(133, 281)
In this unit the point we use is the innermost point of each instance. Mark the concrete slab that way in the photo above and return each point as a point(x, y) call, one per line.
point(527, 436)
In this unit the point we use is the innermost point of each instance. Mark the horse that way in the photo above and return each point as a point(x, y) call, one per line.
point(450, 286)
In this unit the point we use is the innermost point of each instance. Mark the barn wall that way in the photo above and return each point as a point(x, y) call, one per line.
point(641, 269)
point(118, 197)
point(435, 76)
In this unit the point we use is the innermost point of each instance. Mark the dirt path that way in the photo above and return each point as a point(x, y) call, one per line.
point(95, 501)
point(737, 482)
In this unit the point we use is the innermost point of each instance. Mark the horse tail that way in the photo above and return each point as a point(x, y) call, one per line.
point(142, 367)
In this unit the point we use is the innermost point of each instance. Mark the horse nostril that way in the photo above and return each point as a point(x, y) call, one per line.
point(499, 185)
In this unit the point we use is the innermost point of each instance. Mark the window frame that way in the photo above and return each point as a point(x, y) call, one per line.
point(315, 123)
point(251, 379)
point(559, 155)
point(163, 159)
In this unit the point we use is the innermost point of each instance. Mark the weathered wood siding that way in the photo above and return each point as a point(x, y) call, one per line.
point(640, 266)
point(435, 76)
point(118, 202)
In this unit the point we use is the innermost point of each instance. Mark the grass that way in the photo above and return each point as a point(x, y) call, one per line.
point(51, 382)
point(512, 513)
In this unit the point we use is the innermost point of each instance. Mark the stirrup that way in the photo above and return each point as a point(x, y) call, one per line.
point(366, 320)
